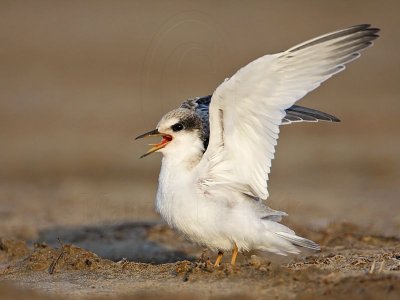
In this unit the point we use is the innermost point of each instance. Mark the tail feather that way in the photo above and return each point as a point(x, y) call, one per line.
point(279, 239)
point(298, 241)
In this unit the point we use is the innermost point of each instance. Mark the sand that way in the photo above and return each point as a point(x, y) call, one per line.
point(351, 264)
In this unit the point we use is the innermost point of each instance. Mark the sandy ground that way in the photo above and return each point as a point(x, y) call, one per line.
point(79, 80)
point(350, 264)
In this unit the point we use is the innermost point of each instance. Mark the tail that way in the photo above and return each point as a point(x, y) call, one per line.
point(299, 241)
point(279, 239)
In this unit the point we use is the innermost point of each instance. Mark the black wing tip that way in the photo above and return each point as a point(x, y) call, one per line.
point(365, 26)
point(365, 29)
point(361, 26)
point(372, 31)
point(305, 113)
point(334, 119)
point(355, 31)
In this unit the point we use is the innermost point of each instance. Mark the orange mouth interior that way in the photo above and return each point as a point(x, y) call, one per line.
point(165, 140)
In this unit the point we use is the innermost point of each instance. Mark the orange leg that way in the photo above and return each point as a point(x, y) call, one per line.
point(234, 255)
point(218, 260)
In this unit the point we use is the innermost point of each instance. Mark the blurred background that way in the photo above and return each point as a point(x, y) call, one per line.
point(80, 79)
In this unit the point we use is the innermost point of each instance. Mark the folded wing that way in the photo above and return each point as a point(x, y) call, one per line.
point(247, 109)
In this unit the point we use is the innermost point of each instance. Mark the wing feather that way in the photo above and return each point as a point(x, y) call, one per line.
point(247, 109)
point(297, 113)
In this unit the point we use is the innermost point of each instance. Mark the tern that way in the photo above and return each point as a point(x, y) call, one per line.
point(217, 150)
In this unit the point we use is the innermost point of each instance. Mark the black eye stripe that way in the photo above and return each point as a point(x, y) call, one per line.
point(177, 127)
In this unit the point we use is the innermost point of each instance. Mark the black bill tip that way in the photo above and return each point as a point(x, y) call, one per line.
point(150, 133)
point(144, 155)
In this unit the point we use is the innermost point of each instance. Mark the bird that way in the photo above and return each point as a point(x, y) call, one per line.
point(217, 149)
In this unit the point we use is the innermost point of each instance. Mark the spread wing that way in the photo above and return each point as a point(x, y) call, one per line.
point(247, 109)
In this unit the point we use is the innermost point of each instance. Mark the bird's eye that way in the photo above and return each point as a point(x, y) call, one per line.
point(177, 127)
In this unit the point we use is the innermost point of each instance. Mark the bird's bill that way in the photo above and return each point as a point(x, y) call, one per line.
point(166, 138)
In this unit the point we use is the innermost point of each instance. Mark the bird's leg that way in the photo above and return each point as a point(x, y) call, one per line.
point(218, 260)
point(234, 255)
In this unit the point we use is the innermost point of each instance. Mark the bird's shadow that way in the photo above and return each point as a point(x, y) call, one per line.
point(146, 242)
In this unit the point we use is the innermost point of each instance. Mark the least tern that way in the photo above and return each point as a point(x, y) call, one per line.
point(217, 150)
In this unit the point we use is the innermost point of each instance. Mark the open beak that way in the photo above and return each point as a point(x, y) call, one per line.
point(166, 138)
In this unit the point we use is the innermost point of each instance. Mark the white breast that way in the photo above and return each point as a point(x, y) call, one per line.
point(183, 206)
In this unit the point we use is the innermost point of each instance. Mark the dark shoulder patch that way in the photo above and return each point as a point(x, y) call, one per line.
point(202, 109)
point(204, 101)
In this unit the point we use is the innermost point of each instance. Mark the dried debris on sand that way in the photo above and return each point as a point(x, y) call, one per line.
point(350, 264)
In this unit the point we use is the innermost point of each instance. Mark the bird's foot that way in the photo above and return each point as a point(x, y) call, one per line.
point(218, 260)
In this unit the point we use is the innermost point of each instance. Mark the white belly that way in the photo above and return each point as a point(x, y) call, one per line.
point(195, 216)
